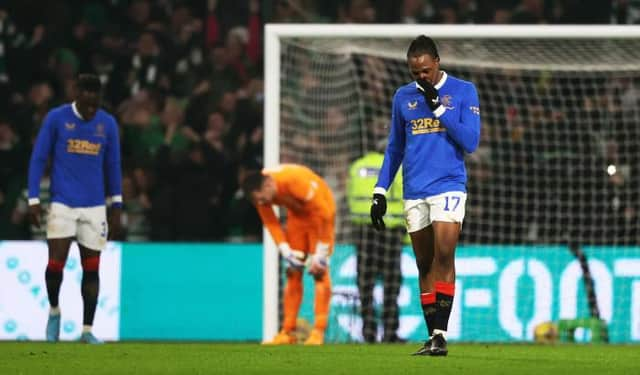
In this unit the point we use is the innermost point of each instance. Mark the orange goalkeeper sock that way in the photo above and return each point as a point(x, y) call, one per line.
point(292, 299)
point(322, 301)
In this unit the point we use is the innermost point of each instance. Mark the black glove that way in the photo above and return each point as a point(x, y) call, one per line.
point(378, 209)
point(430, 93)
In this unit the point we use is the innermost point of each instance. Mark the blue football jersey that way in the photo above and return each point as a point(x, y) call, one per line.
point(431, 148)
point(85, 158)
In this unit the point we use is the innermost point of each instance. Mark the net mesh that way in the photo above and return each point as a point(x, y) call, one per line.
point(558, 158)
point(559, 142)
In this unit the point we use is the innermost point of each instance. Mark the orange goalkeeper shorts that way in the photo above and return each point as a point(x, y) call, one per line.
point(304, 234)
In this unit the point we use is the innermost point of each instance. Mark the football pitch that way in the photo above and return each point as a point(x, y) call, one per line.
point(213, 358)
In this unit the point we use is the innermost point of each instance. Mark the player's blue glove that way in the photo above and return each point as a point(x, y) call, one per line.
point(430, 94)
point(378, 209)
point(295, 258)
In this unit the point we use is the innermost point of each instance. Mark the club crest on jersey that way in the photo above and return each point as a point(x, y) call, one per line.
point(69, 125)
point(446, 101)
point(100, 130)
point(412, 105)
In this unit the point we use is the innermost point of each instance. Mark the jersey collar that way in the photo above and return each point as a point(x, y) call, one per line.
point(75, 111)
point(442, 80)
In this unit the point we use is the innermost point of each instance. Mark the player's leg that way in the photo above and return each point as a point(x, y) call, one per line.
point(443, 268)
point(61, 227)
point(293, 289)
point(423, 249)
point(321, 308)
point(322, 290)
point(58, 253)
point(422, 242)
point(291, 300)
point(366, 248)
point(447, 214)
point(90, 289)
point(392, 280)
point(92, 240)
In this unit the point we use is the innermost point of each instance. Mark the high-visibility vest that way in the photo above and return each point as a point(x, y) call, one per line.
point(363, 175)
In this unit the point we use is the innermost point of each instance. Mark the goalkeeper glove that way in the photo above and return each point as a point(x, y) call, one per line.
point(294, 258)
point(320, 260)
point(430, 94)
point(378, 209)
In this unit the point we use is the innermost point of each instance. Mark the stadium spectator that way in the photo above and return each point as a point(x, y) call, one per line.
point(415, 11)
point(13, 154)
point(293, 11)
point(139, 17)
point(378, 252)
point(28, 113)
point(186, 51)
point(244, 222)
point(199, 195)
point(147, 68)
point(14, 47)
point(529, 12)
point(248, 129)
point(135, 209)
point(356, 11)
point(501, 16)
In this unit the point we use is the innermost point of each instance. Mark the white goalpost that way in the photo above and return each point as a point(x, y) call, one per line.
point(558, 157)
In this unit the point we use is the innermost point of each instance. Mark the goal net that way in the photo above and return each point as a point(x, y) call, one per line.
point(553, 187)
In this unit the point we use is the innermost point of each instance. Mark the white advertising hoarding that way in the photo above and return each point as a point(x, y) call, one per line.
point(23, 294)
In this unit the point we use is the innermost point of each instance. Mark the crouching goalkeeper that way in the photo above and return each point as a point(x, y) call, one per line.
point(308, 239)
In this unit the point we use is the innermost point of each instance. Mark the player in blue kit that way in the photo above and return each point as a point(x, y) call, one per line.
point(435, 120)
point(81, 141)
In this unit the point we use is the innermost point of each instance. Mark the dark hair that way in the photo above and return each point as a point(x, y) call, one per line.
point(423, 45)
point(252, 182)
point(89, 82)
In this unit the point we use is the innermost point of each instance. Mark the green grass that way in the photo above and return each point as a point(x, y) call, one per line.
point(212, 358)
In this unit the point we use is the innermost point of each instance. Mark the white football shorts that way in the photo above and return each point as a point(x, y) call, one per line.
point(87, 224)
point(448, 207)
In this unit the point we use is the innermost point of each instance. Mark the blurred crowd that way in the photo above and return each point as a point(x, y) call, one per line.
point(558, 158)
point(184, 79)
point(457, 11)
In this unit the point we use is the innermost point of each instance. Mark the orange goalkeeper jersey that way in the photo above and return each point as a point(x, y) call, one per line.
point(307, 198)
